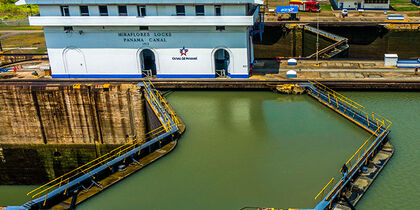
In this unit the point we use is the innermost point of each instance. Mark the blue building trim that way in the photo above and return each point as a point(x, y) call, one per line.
point(186, 76)
point(96, 76)
point(239, 76)
point(408, 66)
point(138, 76)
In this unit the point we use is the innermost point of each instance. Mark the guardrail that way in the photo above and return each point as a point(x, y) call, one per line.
point(339, 40)
point(356, 111)
point(90, 171)
point(84, 169)
point(325, 33)
point(359, 115)
point(326, 203)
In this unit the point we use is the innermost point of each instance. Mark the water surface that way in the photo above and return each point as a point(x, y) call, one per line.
point(263, 149)
point(241, 149)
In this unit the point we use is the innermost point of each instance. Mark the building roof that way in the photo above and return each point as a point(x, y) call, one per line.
point(78, 2)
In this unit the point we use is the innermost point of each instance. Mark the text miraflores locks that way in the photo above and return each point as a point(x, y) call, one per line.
point(145, 36)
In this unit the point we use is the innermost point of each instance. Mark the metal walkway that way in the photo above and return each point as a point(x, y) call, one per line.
point(86, 176)
point(332, 50)
point(378, 126)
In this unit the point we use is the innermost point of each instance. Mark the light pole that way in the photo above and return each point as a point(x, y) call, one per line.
point(317, 38)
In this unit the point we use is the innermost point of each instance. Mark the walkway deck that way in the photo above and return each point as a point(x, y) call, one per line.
point(99, 174)
point(360, 170)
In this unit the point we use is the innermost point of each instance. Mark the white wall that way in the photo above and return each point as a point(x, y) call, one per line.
point(209, 10)
point(113, 10)
point(74, 10)
point(377, 6)
point(132, 10)
point(351, 5)
point(163, 10)
point(49, 10)
point(93, 10)
point(234, 10)
point(151, 10)
point(107, 53)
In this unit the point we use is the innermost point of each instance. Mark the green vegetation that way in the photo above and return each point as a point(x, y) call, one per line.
point(326, 7)
point(25, 40)
point(8, 10)
point(403, 5)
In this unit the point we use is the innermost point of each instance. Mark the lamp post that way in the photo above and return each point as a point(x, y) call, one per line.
point(317, 39)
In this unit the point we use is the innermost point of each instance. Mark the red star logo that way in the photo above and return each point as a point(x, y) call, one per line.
point(183, 51)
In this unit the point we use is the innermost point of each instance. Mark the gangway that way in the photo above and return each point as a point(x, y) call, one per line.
point(375, 124)
point(332, 50)
point(89, 175)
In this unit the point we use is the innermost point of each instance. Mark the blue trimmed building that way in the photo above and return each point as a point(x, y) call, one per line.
point(148, 38)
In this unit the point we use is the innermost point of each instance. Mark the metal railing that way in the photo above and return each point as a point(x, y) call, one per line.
point(161, 108)
point(358, 114)
point(349, 104)
point(321, 193)
point(339, 40)
point(84, 169)
point(64, 180)
point(325, 33)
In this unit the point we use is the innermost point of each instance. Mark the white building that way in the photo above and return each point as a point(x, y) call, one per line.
point(362, 4)
point(137, 38)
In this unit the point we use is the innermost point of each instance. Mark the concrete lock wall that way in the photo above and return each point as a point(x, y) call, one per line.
point(115, 51)
point(64, 115)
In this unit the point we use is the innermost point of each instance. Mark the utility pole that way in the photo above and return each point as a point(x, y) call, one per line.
point(317, 39)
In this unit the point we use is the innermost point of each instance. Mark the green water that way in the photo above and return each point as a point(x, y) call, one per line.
point(264, 149)
point(398, 185)
point(241, 149)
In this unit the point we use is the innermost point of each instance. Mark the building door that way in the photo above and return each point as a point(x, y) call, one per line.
point(359, 5)
point(75, 62)
point(341, 5)
point(221, 63)
point(148, 63)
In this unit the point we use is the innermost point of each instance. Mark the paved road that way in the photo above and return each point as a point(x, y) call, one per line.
point(9, 33)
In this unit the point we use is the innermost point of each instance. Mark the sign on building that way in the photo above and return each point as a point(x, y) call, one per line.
point(287, 9)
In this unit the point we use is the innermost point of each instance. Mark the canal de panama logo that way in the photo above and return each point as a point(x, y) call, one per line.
point(183, 51)
point(183, 57)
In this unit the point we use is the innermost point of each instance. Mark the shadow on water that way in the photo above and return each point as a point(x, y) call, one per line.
point(284, 42)
point(35, 164)
point(365, 42)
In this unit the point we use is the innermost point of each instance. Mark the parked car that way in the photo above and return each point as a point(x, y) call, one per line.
point(344, 12)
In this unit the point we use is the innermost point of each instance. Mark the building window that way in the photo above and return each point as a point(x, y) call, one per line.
point(217, 10)
point(376, 1)
point(65, 11)
point(199, 10)
point(180, 10)
point(68, 29)
point(122, 10)
point(84, 11)
point(141, 10)
point(144, 28)
point(220, 28)
point(103, 10)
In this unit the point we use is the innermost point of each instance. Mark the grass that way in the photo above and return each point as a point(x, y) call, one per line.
point(405, 8)
point(326, 7)
point(25, 40)
point(403, 5)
